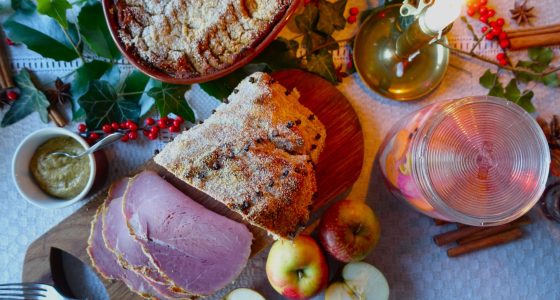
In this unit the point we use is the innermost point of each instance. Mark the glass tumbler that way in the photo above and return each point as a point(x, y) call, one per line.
point(479, 161)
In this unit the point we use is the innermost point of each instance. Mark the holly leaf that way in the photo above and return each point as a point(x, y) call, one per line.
point(488, 79)
point(30, 100)
point(42, 34)
point(55, 9)
point(102, 105)
point(512, 92)
point(170, 98)
point(24, 5)
point(321, 63)
point(331, 16)
point(541, 55)
point(525, 101)
point(95, 32)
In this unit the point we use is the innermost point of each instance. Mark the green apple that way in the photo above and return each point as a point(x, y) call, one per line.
point(297, 269)
point(349, 230)
point(362, 281)
point(243, 294)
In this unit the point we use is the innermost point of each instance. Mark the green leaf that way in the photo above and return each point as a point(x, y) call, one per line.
point(42, 35)
point(24, 5)
point(112, 76)
point(497, 91)
point(136, 87)
point(306, 21)
point(512, 92)
point(95, 32)
point(525, 101)
point(489, 79)
point(170, 98)
point(331, 16)
point(551, 80)
point(280, 54)
point(321, 63)
point(55, 9)
point(541, 55)
point(30, 100)
point(84, 74)
point(102, 105)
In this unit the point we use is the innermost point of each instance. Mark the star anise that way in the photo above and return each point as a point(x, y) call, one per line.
point(60, 93)
point(522, 14)
point(552, 132)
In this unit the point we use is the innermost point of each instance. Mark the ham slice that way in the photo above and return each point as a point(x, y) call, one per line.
point(127, 250)
point(196, 249)
point(104, 261)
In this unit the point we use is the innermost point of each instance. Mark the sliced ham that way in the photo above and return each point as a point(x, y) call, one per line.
point(195, 248)
point(104, 261)
point(127, 250)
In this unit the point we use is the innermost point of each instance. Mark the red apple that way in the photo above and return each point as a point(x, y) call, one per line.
point(297, 269)
point(349, 230)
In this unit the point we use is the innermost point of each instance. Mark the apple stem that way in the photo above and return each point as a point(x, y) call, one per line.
point(358, 229)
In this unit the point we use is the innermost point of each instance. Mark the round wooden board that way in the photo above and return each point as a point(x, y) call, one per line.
point(339, 166)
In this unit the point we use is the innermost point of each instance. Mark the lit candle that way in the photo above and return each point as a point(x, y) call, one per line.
point(442, 13)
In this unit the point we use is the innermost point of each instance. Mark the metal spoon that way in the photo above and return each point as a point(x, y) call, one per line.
point(102, 143)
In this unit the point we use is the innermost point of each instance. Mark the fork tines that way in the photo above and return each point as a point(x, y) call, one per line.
point(22, 291)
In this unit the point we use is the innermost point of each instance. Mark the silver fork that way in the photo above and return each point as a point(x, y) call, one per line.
point(17, 291)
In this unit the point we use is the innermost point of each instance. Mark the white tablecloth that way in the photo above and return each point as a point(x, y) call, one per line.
point(413, 265)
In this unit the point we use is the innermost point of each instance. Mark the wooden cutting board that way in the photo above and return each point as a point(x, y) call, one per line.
point(339, 166)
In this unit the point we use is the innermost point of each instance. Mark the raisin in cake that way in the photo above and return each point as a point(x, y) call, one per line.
point(191, 38)
point(255, 154)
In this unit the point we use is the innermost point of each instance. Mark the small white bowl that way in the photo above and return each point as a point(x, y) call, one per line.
point(24, 180)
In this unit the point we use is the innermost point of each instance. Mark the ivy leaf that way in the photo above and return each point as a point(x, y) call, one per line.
point(497, 91)
point(112, 76)
point(489, 79)
point(136, 87)
point(525, 101)
point(42, 34)
point(512, 92)
point(331, 16)
point(305, 22)
point(541, 55)
point(170, 98)
point(55, 9)
point(102, 105)
point(84, 74)
point(280, 54)
point(30, 100)
point(95, 32)
point(321, 63)
point(24, 5)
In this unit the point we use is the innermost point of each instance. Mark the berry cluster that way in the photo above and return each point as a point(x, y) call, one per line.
point(354, 11)
point(494, 28)
point(151, 129)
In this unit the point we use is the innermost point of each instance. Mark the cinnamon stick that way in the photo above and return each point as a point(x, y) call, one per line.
point(57, 117)
point(5, 70)
point(539, 40)
point(490, 231)
point(534, 31)
point(454, 235)
point(498, 239)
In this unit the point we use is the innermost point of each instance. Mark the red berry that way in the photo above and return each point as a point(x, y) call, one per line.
point(115, 125)
point(124, 125)
point(306, 2)
point(483, 19)
point(351, 19)
point(11, 95)
point(491, 13)
point(500, 22)
point(493, 24)
point(150, 121)
point(483, 2)
point(154, 129)
point(470, 12)
point(107, 128)
point(177, 123)
point(503, 36)
point(496, 31)
point(483, 11)
point(501, 56)
point(125, 138)
point(132, 135)
point(146, 132)
point(490, 36)
point(354, 11)
point(132, 126)
point(9, 42)
point(82, 128)
point(504, 44)
point(180, 119)
point(503, 62)
point(174, 128)
point(476, 6)
point(152, 136)
point(94, 136)
point(484, 29)
point(161, 123)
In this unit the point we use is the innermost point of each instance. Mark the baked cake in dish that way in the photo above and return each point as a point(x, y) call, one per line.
point(256, 155)
point(192, 38)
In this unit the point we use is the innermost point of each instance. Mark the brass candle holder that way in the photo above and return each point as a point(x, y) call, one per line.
point(401, 64)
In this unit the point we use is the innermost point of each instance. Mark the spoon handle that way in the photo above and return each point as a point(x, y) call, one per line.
point(106, 141)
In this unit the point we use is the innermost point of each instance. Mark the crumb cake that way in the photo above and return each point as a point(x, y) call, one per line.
point(192, 38)
point(255, 154)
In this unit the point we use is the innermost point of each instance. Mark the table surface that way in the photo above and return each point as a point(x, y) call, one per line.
point(415, 268)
